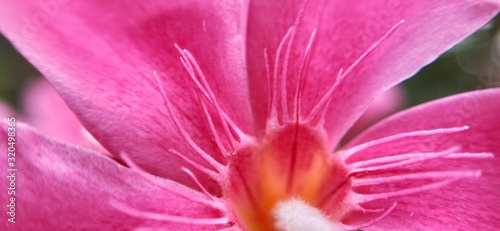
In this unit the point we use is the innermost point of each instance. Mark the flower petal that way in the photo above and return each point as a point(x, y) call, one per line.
point(381, 107)
point(5, 110)
point(61, 187)
point(345, 30)
point(46, 111)
point(101, 57)
point(467, 203)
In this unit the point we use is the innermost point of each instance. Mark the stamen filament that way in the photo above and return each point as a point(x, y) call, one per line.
point(356, 182)
point(183, 132)
point(324, 99)
point(212, 98)
point(298, 89)
point(214, 132)
point(164, 184)
point(275, 77)
point(412, 156)
point(168, 218)
point(195, 179)
point(363, 198)
point(216, 175)
point(284, 73)
point(379, 218)
point(417, 157)
point(345, 154)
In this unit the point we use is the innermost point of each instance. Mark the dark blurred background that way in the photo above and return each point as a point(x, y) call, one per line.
point(468, 66)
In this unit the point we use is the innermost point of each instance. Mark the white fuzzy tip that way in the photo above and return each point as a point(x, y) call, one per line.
point(296, 215)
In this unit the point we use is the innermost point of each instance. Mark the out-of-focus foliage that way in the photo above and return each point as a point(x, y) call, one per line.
point(14, 72)
point(471, 65)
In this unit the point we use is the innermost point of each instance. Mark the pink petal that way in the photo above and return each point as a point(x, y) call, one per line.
point(381, 107)
point(471, 203)
point(5, 110)
point(61, 187)
point(345, 30)
point(101, 57)
point(46, 111)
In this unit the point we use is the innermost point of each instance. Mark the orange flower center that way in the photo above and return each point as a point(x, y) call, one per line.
point(289, 162)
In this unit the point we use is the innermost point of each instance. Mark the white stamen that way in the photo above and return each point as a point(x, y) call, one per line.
point(295, 214)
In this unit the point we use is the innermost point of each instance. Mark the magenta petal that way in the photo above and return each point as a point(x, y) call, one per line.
point(381, 107)
point(47, 112)
point(101, 57)
point(5, 110)
point(345, 30)
point(61, 187)
point(469, 203)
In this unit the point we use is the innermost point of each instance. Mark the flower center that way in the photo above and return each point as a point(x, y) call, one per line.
point(291, 161)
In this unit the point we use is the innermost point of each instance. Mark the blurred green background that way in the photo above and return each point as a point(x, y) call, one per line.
point(468, 66)
point(15, 71)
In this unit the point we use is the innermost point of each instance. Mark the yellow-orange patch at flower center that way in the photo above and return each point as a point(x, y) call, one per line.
point(289, 162)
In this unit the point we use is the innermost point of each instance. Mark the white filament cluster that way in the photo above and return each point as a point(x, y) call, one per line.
point(296, 215)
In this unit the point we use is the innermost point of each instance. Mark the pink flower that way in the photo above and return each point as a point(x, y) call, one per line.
point(238, 133)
